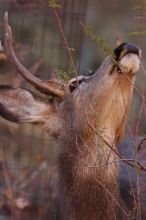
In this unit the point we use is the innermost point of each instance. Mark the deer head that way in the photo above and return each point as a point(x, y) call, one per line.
point(78, 111)
point(20, 105)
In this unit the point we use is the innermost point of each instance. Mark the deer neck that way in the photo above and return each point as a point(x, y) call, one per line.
point(106, 114)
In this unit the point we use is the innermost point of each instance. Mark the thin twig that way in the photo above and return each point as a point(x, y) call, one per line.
point(71, 60)
point(105, 164)
point(110, 194)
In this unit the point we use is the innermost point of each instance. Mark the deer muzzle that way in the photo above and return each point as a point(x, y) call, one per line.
point(128, 57)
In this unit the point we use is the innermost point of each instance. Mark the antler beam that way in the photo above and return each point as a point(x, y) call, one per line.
point(48, 87)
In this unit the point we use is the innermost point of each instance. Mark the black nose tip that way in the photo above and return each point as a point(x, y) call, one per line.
point(131, 48)
point(124, 49)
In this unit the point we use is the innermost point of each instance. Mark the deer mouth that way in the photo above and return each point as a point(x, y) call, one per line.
point(127, 56)
point(124, 49)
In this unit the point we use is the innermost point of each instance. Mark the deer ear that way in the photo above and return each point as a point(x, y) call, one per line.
point(20, 105)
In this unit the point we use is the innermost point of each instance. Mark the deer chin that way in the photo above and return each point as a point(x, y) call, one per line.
point(130, 63)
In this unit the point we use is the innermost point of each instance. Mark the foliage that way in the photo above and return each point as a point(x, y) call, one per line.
point(54, 4)
point(62, 75)
point(99, 41)
point(139, 19)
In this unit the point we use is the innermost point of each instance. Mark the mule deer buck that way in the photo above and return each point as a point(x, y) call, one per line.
point(88, 121)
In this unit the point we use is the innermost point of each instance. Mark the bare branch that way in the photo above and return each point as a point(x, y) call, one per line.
point(48, 87)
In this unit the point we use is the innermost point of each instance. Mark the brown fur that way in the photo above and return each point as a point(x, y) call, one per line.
point(84, 121)
point(86, 192)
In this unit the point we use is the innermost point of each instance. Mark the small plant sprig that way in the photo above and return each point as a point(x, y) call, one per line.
point(54, 4)
point(123, 69)
point(140, 19)
point(64, 75)
point(99, 41)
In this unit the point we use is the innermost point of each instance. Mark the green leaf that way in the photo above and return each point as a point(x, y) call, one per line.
point(99, 41)
point(54, 4)
point(137, 33)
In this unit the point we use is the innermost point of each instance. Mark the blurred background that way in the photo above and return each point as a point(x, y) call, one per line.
point(28, 157)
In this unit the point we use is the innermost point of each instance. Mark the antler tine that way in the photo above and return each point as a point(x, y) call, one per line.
point(48, 87)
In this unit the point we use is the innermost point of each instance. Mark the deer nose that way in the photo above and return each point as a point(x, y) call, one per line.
point(132, 48)
point(126, 48)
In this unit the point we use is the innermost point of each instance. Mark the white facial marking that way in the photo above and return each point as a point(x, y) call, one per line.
point(130, 62)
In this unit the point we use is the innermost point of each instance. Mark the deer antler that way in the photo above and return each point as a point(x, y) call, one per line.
point(54, 88)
